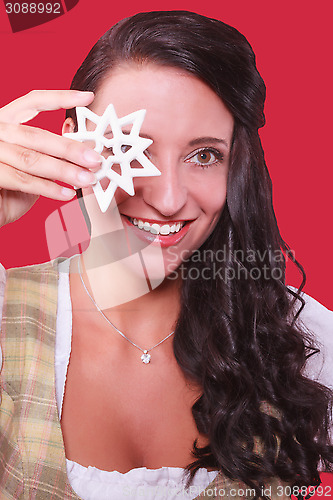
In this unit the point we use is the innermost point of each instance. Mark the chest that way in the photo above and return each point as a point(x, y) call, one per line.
point(119, 414)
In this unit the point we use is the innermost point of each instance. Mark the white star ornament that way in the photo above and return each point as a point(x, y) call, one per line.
point(132, 142)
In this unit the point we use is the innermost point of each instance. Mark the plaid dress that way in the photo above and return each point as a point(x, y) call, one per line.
point(32, 454)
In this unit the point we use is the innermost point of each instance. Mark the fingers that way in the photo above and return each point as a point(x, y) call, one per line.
point(28, 106)
point(48, 143)
point(31, 159)
point(17, 180)
point(41, 165)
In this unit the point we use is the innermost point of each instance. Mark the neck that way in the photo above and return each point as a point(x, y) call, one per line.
point(143, 314)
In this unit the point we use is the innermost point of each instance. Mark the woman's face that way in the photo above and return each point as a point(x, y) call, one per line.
point(191, 131)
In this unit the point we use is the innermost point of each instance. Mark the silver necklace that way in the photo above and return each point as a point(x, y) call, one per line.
point(146, 357)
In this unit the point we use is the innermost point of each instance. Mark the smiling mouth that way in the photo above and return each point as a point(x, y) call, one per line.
point(155, 228)
point(158, 232)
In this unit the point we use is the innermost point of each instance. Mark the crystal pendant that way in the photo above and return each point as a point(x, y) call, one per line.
point(145, 357)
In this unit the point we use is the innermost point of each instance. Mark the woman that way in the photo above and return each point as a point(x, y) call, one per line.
point(226, 384)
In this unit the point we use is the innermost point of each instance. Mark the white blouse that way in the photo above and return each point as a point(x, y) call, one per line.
point(91, 483)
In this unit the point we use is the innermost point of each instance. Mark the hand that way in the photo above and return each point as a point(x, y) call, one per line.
point(32, 159)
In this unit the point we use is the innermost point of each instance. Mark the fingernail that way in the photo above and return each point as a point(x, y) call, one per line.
point(92, 156)
point(86, 178)
point(95, 168)
point(84, 93)
point(68, 193)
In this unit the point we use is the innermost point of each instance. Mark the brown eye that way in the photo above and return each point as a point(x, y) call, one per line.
point(125, 147)
point(205, 157)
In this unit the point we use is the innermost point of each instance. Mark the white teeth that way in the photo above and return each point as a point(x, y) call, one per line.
point(164, 229)
point(155, 229)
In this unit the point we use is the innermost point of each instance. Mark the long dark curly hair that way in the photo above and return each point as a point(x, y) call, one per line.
point(238, 333)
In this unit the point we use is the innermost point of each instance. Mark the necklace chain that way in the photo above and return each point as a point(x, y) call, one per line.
point(145, 356)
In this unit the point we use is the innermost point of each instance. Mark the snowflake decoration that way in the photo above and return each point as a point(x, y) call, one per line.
point(134, 150)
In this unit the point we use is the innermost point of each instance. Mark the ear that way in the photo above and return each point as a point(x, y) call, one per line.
point(68, 126)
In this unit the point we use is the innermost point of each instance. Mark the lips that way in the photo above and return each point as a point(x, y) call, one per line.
point(158, 232)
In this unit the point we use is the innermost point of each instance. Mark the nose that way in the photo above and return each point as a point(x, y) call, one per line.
point(168, 192)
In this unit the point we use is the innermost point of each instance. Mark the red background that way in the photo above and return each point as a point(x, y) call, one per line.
point(292, 41)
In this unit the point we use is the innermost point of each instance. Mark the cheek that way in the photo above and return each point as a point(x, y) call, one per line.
point(212, 197)
point(124, 200)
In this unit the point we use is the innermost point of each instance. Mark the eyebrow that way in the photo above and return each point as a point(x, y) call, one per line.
point(211, 140)
point(194, 142)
